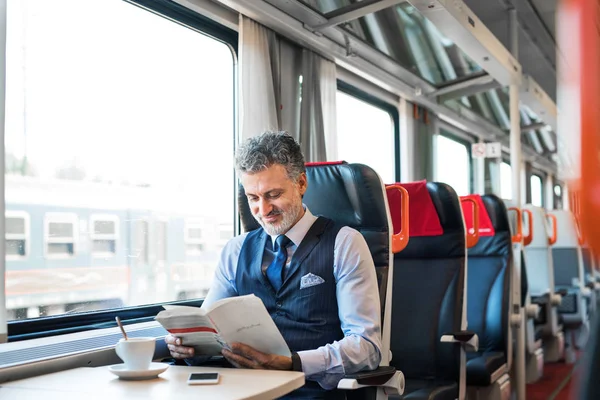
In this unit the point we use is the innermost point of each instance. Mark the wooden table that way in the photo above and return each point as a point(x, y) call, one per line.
point(100, 383)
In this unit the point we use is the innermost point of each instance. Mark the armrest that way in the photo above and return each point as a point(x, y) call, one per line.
point(532, 311)
point(469, 340)
point(387, 377)
point(377, 376)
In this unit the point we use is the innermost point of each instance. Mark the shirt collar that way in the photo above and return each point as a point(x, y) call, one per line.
point(300, 229)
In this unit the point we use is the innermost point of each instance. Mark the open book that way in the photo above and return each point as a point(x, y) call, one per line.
point(242, 319)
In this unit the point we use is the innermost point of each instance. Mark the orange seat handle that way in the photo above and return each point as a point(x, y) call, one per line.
point(529, 238)
point(552, 239)
point(472, 237)
point(518, 236)
point(400, 239)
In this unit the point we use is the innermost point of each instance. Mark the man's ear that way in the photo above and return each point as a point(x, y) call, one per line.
point(302, 183)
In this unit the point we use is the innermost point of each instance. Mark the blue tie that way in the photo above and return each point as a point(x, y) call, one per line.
point(275, 269)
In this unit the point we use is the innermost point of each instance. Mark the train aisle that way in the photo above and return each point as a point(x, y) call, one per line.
point(558, 383)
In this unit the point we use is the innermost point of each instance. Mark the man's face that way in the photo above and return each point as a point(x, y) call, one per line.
point(274, 199)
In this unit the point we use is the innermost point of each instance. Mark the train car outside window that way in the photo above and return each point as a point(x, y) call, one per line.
point(357, 118)
point(194, 240)
point(537, 191)
point(453, 164)
point(140, 245)
point(114, 138)
point(161, 240)
point(60, 233)
point(505, 180)
point(104, 234)
point(16, 227)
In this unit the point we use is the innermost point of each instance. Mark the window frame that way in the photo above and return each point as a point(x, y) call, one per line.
point(391, 109)
point(62, 218)
point(542, 177)
point(26, 236)
point(93, 236)
point(78, 322)
point(194, 223)
point(448, 134)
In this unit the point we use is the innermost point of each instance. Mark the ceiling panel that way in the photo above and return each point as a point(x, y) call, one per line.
point(547, 11)
point(537, 53)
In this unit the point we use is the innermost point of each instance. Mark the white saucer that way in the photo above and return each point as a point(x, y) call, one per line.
point(152, 372)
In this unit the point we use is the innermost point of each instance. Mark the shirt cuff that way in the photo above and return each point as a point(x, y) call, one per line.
point(313, 362)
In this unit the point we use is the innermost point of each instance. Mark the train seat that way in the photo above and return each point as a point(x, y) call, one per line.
point(428, 294)
point(534, 357)
point(488, 301)
point(569, 279)
point(592, 279)
point(540, 279)
point(353, 195)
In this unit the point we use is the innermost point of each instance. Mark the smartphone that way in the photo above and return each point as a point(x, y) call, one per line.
point(203, 378)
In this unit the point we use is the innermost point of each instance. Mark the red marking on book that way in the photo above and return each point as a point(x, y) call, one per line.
point(190, 330)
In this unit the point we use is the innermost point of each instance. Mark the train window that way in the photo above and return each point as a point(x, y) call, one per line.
point(140, 241)
point(161, 240)
point(194, 238)
point(453, 164)
point(104, 232)
point(354, 118)
point(60, 233)
point(505, 180)
point(537, 191)
point(140, 119)
point(16, 227)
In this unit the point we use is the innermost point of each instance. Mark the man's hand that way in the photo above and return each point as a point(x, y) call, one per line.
point(176, 349)
point(243, 356)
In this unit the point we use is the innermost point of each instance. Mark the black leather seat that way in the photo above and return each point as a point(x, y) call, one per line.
point(428, 292)
point(351, 195)
point(488, 302)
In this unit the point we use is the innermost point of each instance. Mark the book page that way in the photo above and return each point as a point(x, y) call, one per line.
point(193, 326)
point(245, 319)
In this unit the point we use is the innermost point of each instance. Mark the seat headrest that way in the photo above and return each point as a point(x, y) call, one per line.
point(497, 212)
point(423, 217)
point(486, 228)
point(541, 227)
point(568, 230)
point(350, 194)
point(496, 244)
point(447, 232)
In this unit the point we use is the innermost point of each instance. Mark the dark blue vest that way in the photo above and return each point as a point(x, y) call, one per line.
point(307, 318)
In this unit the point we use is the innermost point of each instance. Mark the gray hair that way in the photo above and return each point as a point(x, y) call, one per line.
point(260, 152)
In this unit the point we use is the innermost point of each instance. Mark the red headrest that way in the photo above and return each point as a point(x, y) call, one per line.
point(424, 220)
point(320, 163)
point(485, 223)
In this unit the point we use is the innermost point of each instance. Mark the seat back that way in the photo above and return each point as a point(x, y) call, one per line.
point(488, 277)
point(566, 252)
point(538, 256)
point(351, 195)
point(428, 283)
point(588, 260)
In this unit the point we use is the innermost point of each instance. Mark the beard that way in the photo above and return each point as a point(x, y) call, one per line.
point(288, 219)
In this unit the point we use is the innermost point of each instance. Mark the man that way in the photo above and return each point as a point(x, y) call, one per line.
point(317, 279)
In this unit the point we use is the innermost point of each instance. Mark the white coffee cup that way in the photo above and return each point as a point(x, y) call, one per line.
point(136, 353)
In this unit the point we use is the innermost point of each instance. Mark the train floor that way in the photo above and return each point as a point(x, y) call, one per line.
point(558, 383)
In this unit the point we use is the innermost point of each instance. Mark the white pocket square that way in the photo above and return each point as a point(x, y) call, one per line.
point(309, 280)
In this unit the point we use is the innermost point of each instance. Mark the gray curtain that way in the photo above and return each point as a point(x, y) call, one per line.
point(286, 87)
